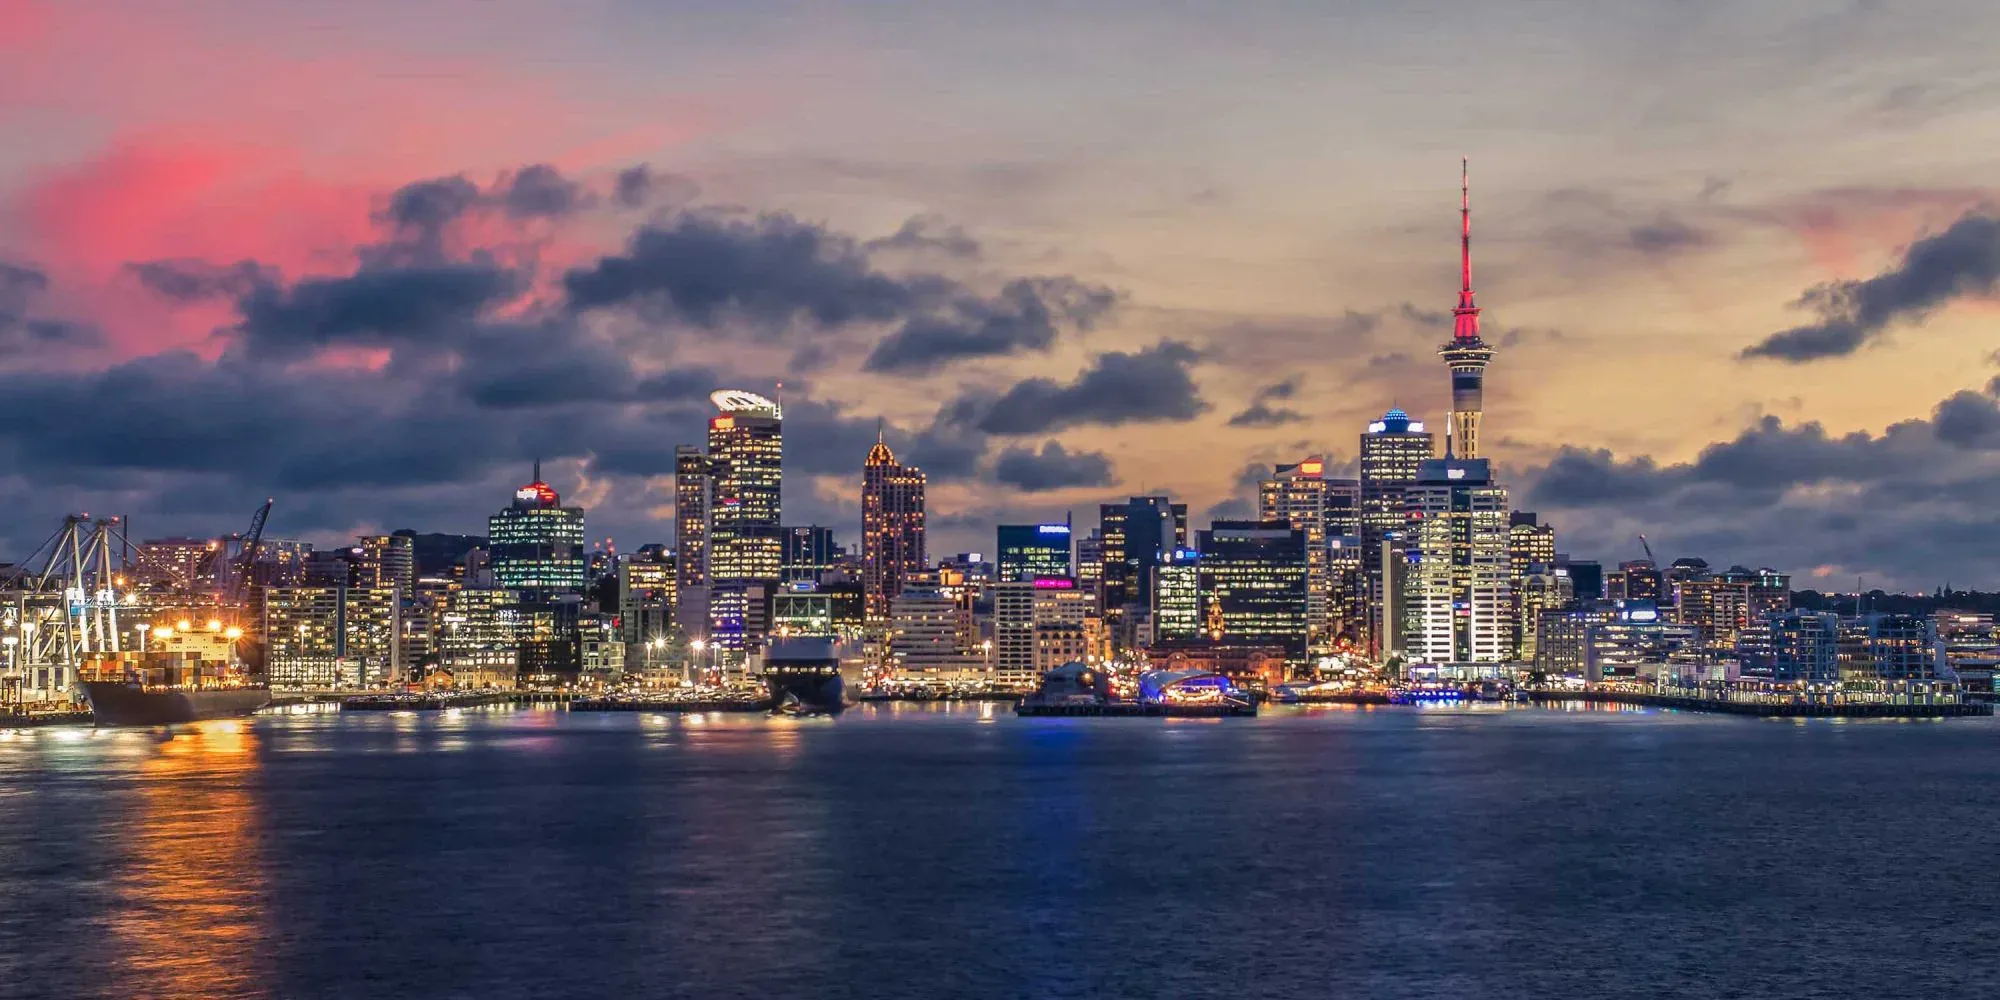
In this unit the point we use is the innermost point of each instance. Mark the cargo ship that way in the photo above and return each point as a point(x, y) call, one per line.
point(184, 674)
point(802, 673)
point(132, 703)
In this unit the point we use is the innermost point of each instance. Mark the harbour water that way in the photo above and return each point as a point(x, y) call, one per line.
point(957, 851)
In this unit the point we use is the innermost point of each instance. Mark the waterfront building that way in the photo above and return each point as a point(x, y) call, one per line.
point(1460, 583)
point(1793, 647)
point(1970, 643)
point(808, 552)
point(1542, 590)
point(746, 468)
point(739, 618)
point(1027, 551)
point(927, 634)
point(892, 528)
point(1718, 608)
point(1020, 607)
point(1253, 585)
point(1901, 647)
point(331, 637)
point(1465, 354)
point(1636, 640)
point(647, 585)
point(536, 542)
point(1562, 639)
point(479, 639)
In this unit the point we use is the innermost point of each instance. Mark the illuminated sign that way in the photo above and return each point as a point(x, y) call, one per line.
point(1454, 473)
point(1054, 583)
point(1312, 467)
point(1053, 529)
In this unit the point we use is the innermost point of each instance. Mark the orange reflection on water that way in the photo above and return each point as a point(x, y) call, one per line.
point(192, 917)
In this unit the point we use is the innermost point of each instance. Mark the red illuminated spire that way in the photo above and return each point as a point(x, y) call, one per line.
point(1465, 318)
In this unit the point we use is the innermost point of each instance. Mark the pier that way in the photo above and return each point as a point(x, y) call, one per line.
point(1775, 709)
point(1130, 709)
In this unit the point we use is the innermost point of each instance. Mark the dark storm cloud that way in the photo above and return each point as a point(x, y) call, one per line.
point(548, 365)
point(1052, 468)
point(634, 184)
point(1893, 504)
point(1961, 262)
point(703, 268)
point(1151, 385)
point(386, 305)
point(1261, 413)
point(1025, 316)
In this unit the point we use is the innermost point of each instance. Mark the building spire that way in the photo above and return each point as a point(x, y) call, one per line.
point(1465, 318)
point(538, 470)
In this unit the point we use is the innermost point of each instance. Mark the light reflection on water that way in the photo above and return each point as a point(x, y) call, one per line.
point(190, 915)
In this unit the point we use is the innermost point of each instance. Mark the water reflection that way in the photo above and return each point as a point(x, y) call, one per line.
point(191, 887)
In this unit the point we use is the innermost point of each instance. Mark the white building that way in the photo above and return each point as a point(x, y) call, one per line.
point(1459, 589)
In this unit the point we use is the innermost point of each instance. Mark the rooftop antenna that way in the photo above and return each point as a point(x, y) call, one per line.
point(538, 470)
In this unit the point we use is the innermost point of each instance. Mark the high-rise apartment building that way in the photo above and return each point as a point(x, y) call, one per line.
point(1027, 551)
point(331, 637)
point(1177, 608)
point(746, 468)
point(536, 542)
point(892, 529)
point(647, 588)
point(1024, 608)
point(927, 633)
point(1135, 535)
point(1459, 590)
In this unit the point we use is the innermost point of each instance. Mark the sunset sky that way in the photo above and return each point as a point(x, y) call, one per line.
point(373, 258)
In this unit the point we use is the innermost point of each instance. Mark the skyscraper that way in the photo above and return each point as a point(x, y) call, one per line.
point(537, 543)
point(1301, 495)
point(892, 529)
point(746, 463)
point(1391, 450)
point(1466, 354)
point(1136, 534)
point(1459, 600)
point(1027, 551)
point(1253, 584)
point(691, 494)
point(809, 553)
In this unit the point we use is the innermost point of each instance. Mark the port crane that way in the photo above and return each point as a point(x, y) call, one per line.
point(63, 600)
point(238, 586)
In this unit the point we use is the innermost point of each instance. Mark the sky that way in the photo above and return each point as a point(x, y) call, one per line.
point(1739, 259)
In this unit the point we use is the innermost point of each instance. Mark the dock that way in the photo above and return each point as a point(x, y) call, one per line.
point(1130, 709)
point(671, 705)
point(1775, 709)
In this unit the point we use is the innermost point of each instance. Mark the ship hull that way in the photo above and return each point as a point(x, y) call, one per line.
point(809, 691)
point(113, 703)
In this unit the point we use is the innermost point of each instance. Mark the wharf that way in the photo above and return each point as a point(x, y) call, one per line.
point(917, 697)
point(23, 720)
point(1774, 709)
point(671, 705)
point(439, 701)
point(1128, 709)
point(1336, 698)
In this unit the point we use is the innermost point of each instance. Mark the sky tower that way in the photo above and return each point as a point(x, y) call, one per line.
point(1465, 353)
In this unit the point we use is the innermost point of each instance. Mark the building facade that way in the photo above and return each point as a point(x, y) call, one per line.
point(1459, 590)
point(892, 529)
point(536, 543)
point(746, 496)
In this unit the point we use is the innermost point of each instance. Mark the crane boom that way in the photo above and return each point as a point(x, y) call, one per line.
point(1649, 551)
point(239, 582)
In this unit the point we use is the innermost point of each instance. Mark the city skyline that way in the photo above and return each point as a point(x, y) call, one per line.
point(383, 324)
